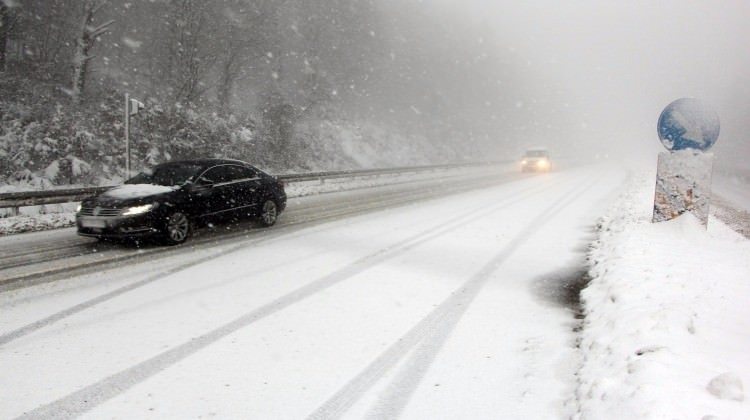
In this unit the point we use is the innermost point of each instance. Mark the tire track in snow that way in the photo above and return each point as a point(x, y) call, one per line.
point(398, 394)
point(108, 253)
point(10, 254)
point(432, 331)
point(310, 216)
point(95, 394)
point(274, 235)
point(51, 319)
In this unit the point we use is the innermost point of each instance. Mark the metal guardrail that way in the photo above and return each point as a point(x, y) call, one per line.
point(36, 198)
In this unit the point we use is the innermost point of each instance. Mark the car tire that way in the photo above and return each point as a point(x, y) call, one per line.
point(177, 228)
point(269, 213)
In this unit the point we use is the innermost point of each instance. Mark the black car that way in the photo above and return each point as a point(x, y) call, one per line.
point(170, 199)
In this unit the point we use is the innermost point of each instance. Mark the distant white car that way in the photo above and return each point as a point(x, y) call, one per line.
point(536, 160)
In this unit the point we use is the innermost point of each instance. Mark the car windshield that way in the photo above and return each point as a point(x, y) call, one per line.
point(536, 153)
point(167, 175)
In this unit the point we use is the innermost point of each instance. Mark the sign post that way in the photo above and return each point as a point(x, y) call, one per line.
point(132, 108)
point(127, 136)
point(687, 128)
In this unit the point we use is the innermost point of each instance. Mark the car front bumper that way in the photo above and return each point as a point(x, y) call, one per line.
point(535, 166)
point(118, 227)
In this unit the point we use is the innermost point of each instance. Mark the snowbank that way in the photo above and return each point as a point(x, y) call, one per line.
point(667, 327)
point(32, 223)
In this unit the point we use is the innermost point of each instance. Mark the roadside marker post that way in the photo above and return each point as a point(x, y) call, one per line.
point(687, 128)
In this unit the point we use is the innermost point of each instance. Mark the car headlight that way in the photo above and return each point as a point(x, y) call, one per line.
point(132, 211)
point(542, 163)
point(78, 209)
point(523, 162)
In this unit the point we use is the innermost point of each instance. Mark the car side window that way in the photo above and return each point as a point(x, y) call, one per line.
point(227, 173)
point(247, 173)
point(215, 175)
point(236, 173)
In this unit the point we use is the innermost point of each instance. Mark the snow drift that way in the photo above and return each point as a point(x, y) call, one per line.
point(667, 327)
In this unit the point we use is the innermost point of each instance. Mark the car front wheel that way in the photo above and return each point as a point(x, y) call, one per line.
point(269, 213)
point(177, 228)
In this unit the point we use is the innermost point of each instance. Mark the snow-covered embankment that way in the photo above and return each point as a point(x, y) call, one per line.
point(667, 327)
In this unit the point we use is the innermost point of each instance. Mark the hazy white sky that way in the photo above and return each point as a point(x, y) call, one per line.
point(615, 65)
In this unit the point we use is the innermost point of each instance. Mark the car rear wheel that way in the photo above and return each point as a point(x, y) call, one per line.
point(269, 212)
point(177, 228)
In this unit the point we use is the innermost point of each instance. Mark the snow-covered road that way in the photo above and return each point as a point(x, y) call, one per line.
point(47, 255)
point(451, 307)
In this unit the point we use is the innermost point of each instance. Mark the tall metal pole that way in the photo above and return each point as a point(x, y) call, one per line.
point(127, 136)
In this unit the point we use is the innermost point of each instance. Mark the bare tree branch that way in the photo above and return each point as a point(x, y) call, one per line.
point(85, 41)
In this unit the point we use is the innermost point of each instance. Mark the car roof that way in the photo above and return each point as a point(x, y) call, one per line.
point(206, 163)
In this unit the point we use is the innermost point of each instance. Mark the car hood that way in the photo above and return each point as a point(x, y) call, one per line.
point(131, 194)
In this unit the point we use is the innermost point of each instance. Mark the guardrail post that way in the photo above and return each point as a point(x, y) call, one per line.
point(13, 211)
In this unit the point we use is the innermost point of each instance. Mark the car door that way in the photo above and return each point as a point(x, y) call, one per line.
point(246, 188)
point(219, 197)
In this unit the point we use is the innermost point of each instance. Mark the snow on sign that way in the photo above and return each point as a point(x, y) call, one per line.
point(687, 128)
point(688, 123)
point(135, 107)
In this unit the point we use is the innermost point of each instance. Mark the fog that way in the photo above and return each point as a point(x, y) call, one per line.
point(613, 66)
point(324, 84)
point(592, 77)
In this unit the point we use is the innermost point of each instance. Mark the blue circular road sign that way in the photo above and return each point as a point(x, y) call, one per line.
point(688, 123)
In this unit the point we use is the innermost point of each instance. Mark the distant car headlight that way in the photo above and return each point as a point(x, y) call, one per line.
point(132, 211)
point(542, 163)
point(78, 209)
point(523, 162)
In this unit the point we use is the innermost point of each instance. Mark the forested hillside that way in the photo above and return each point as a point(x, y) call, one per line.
point(287, 84)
